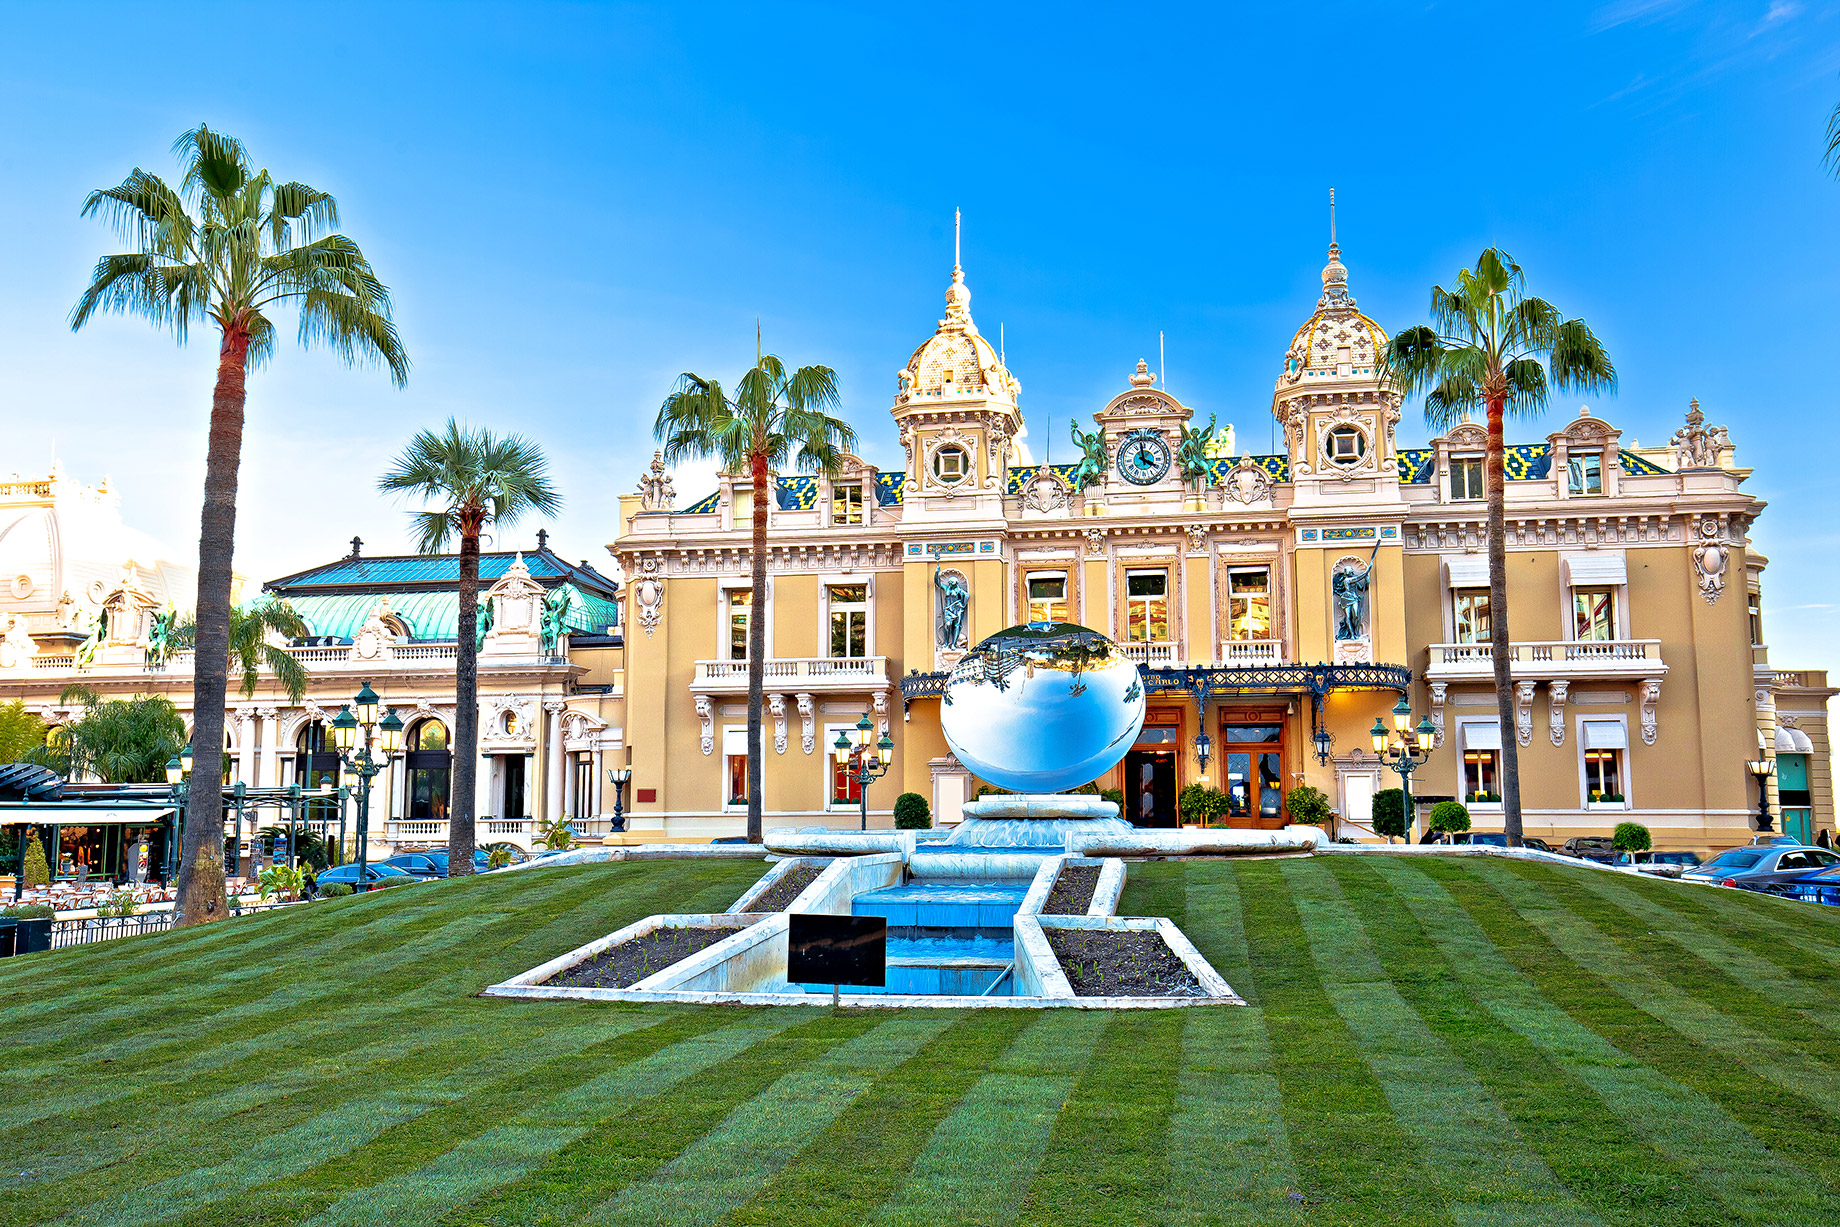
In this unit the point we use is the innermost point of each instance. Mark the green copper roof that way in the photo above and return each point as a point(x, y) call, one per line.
point(431, 615)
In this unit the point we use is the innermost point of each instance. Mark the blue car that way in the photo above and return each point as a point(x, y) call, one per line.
point(1821, 886)
point(376, 877)
point(420, 864)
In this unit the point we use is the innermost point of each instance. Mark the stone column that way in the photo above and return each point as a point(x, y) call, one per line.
point(552, 732)
point(482, 788)
point(599, 780)
point(270, 776)
point(245, 747)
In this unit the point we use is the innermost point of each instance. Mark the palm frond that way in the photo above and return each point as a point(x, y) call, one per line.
point(214, 162)
point(1527, 391)
point(289, 673)
point(306, 209)
point(356, 329)
point(504, 477)
point(1410, 361)
point(1579, 361)
point(1832, 157)
point(145, 212)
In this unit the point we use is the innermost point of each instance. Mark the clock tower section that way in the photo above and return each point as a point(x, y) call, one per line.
point(1143, 434)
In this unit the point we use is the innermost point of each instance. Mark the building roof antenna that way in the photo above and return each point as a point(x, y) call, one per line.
point(1162, 374)
point(1331, 217)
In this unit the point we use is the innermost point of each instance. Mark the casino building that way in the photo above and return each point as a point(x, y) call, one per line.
point(1278, 605)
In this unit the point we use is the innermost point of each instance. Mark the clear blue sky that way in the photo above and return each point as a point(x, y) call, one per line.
point(573, 203)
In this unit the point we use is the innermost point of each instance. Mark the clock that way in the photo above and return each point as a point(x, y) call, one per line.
point(1143, 457)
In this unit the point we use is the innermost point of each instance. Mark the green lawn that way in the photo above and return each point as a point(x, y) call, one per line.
point(1430, 1041)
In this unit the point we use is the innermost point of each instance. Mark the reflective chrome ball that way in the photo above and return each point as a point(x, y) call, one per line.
point(1043, 707)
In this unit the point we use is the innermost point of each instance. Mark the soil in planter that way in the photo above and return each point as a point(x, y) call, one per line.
point(1073, 891)
point(631, 961)
point(788, 888)
point(1127, 963)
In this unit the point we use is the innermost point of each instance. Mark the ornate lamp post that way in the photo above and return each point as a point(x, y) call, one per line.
point(619, 777)
point(1405, 751)
point(354, 734)
point(865, 763)
point(1763, 768)
point(178, 769)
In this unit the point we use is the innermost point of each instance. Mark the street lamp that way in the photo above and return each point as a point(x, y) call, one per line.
point(1763, 769)
point(861, 761)
point(354, 735)
point(619, 777)
point(178, 767)
point(1203, 743)
point(1405, 750)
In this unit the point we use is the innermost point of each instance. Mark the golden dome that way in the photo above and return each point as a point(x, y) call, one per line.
point(956, 361)
point(1337, 342)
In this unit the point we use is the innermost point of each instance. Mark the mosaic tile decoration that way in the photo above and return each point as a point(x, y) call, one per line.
point(1416, 465)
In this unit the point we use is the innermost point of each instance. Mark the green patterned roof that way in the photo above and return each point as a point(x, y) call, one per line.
point(432, 615)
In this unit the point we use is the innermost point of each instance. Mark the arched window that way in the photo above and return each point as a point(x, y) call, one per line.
point(430, 771)
point(316, 766)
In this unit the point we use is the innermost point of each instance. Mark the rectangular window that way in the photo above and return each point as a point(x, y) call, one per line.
point(737, 779)
point(1756, 612)
point(849, 605)
point(846, 505)
point(844, 788)
point(1472, 610)
point(584, 787)
point(1585, 473)
point(1047, 597)
point(1593, 615)
point(1147, 599)
point(740, 604)
point(744, 505)
point(1465, 479)
point(1479, 774)
point(1603, 776)
point(1249, 603)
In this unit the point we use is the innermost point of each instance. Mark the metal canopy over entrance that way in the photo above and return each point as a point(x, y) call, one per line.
point(1207, 682)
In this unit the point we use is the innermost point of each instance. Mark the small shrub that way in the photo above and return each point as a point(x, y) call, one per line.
point(123, 902)
point(1630, 837)
point(1308, 806)
point(498, 856)
point(334, 890)
point(1199, 803)
point(1449, 816)
point(29, 911)
point(38, 873)
point(1390, 813)
point(280, 880)
point(1115, 796)
point(912, 813)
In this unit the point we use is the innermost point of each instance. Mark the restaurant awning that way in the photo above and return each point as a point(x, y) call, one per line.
point(59, 813)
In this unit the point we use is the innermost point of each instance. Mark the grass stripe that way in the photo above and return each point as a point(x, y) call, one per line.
point(976, 1167)
point(1722, 1125)
point(830, 1184)
point(1335, 1111)
point(730, 1162)
point(1780, 1059)
point(1443, 1106)
point(646, 1064)
point(1104, 1161)
point(1484, 1009)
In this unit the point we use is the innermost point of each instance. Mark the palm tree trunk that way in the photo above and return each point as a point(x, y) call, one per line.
point(201, 894)
point(757, 647)
point(466, 712)
point(1499, 648)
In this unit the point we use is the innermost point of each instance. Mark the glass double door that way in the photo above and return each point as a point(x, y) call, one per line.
point(1254, 771)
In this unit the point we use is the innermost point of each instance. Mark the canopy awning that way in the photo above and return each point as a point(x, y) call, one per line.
point(59, 813)
point(1599, 568)
point(1605, 735)
point(1792, 741)
point(1466, 570)
point(1482, 735)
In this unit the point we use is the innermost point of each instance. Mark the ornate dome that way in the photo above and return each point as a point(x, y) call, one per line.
point(956, 361)
point(1337, 342)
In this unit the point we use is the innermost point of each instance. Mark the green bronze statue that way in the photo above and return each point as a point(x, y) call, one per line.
point(1091, 469)
point(1192, 454)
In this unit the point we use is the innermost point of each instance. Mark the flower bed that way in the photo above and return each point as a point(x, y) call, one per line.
point(790, 885)
point(639, 956)
point(1073, 891)
point(1121, 963)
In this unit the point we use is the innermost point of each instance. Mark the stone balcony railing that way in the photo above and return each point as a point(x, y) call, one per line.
point(794, 673)
point(1251, 652)
point(1155, 655)
point(1628, 659)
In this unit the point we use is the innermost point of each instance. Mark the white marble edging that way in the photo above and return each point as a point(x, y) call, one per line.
point(1110, 887)
point(771, 878)
point(832, 891)
point(739, 961)
point(1042, 886)
point(719, 920)
point(1227, 842)
point(1212, 982)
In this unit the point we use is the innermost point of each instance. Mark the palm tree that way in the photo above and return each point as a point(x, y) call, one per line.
point(229, 246)
point(1832, 156)
point(251, 649)
point(473, 476)
point(1493, 347)
point(773, 418)
point(119, 741)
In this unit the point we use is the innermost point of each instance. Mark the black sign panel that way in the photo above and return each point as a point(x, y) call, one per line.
point(837, 950)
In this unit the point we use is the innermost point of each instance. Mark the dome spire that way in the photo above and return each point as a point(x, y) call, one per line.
point(1335, 295)
point(958, 294)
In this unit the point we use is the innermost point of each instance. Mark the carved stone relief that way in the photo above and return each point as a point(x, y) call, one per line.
point(808, 734)
point(1651, 695)
point(1438, 692)
point(706, 712)
point(1246, 482)
point(1711, 556)
point(655, 492)
point(648, 597)
point(1555, 695)
point(776, 704)
point(1523, 711)
point(1095, 541)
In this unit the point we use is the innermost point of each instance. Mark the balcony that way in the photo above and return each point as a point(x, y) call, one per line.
point(785, 674)
point(1250, 652)
point(1608, 659)
point(1153, 655)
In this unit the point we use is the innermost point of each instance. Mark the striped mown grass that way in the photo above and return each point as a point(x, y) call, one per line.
point(1433, 1040)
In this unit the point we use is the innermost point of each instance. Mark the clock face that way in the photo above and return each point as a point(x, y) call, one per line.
point(1143, 457)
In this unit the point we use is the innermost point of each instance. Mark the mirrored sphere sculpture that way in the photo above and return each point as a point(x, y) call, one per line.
point(1043, 707)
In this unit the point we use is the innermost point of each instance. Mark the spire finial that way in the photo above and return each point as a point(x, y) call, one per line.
point(958, 234)
point(1331, 217)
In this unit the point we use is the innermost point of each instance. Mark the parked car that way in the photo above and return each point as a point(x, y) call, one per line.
point(376, 877)
point(1666, 864)
point(1821, 886)
point(420, 864)
point(1591, 848)
point(1760, 866)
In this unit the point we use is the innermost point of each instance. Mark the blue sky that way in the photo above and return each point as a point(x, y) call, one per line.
point(573, 203)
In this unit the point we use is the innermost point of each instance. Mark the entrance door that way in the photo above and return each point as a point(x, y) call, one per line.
point(1254, 771)
point(514, 787)
point(1150, 788)
point(1792, 791)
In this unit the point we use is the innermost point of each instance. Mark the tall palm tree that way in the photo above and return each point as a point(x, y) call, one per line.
point(229, 246)
point(474, 477)
point(773, 418)
point(119, 741)
point(251, 649)
point(1492, 346)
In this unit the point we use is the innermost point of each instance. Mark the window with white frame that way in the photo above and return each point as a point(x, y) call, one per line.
point(1147, 606)
point(1346, 446)
point(740, 603)
point(1481, 761)
point(1584, 473)
point(951, 464)
point(735, 760)
point(1249, 603)
point(1047, 596)
point(1605, 742)
point(1593, 614)
point(1471, 609)
point(1756, 615)
point(849, 616)
point(847, 504)
point(844, 790)
point(1465, 479)
point(742, 503)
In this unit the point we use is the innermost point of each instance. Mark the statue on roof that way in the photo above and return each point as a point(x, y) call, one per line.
point(1192, 454)
point(1091, 469)
point(161, 637)
point(554, 627)
point(1695, 446)
point(655, 492)
point(98, 632)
